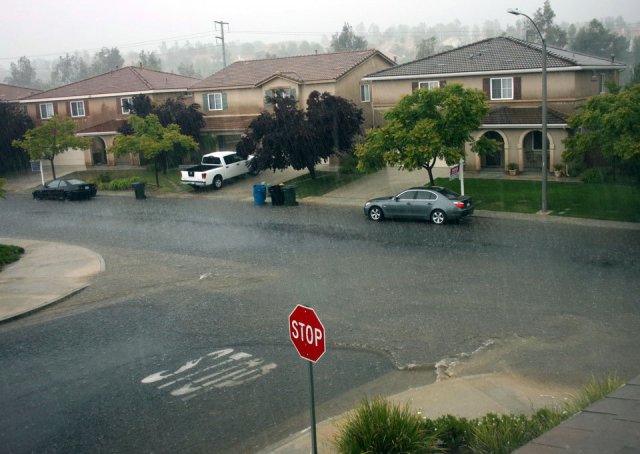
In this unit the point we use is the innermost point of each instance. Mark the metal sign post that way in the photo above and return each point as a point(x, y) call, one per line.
point(307, 335)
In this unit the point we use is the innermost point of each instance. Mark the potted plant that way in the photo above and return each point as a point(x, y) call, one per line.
point(558, 167)
point(513, 168)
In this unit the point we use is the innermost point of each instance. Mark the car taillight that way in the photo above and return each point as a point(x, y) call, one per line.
point(204, 176)
point(459, 204)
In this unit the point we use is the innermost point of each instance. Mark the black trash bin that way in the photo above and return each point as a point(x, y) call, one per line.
point(290, 195)
point(277, 195)
point(139, 190)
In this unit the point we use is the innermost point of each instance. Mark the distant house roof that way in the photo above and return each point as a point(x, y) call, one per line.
point(127, 80)
point(305, 68)
point(495, 55)
point(13, 93)
point(512, 116)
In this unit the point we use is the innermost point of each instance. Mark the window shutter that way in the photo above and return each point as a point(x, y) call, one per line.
point(414, 86)
point(443, 83)
point(86, 107)
point(517, 88)
point(55, 108)
point(205, 102)
point(68, 109)
point(225, 105)
point(118, 105)
point(292, 93)
point(486, 87)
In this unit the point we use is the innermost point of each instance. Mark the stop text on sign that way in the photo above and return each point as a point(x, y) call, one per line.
point(307, 333)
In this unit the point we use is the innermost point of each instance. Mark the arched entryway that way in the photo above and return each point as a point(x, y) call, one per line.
point(532, 145)
point(495, 160)
point(98, 151)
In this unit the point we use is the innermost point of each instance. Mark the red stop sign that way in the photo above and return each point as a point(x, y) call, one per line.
point(306, 333)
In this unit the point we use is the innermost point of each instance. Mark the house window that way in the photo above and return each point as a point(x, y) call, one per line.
point(365, 94)
point(536, 141)
point(278, 93)
point(603, 82)
point(429, 85)
point(126, 104)
point(46, 110)
point(77, 108)
point(215, 101)
point(502, 88)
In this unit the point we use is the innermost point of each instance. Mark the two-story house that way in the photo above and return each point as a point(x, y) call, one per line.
point(509, 71)
point(97, 105)
point(232, 97)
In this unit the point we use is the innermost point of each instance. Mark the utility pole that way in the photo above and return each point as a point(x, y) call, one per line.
point(221, 38)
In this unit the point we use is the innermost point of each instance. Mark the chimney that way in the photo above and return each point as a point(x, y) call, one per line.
point(395, 59)
point(613, 57)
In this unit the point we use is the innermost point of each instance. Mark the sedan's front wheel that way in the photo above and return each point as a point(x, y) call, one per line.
point(438, 217)
point(375, 214)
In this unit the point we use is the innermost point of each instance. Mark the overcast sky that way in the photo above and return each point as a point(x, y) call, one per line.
point(37, 28)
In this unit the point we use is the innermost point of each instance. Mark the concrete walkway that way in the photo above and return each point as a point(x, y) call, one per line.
point(49, 272)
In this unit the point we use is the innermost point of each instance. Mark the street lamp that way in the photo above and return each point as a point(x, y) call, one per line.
point(544, 109)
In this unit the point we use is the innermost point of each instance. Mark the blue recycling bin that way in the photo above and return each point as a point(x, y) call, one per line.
point(259, 194)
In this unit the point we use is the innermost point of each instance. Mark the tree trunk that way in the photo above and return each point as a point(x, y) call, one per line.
point(53, 169)
point(155, 166)
point(312, 171)
point(429, 168)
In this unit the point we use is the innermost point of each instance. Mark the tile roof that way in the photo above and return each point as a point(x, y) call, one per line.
point(305, 68)
point(13, 93)
point(129, 79)
point(495, 54)
point(522, 116)
point(107, 126)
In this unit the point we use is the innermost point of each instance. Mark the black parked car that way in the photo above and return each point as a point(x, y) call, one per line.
point(66, 190)
point(433, 203)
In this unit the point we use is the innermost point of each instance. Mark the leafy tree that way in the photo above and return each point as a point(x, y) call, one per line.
point(67, 69)
point(595, 39)
point(23, 74)
point(634, 57)
point(152, 140)
point(347, 40)
point(635, 76)
point(14, 122)
point(48, 140)
point(426, 126)
point(186, 69)
point(543, 17)
point(291, 137)
point(150, 60)
point(426, 47)
point(106, 60)
point(335, 122)
point(2, 190)
point(609, 124)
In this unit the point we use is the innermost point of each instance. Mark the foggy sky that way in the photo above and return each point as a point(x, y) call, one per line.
point(37, 28)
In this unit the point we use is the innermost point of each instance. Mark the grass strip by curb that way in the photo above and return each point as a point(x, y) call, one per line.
point(9, 254)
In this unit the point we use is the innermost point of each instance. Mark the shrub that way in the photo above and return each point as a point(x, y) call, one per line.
point(597, 175)
point(103, 178)
point(348, 163)
point(9, 254)
point(122, 184)
point(451, 433)
point(378, 426)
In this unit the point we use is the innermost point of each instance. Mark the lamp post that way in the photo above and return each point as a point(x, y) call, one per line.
point(544, 109)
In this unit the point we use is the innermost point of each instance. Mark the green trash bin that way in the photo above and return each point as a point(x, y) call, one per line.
point(139, 190)
point(289, 195)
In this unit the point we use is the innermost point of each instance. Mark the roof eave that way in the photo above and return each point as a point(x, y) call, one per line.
point(103, 95)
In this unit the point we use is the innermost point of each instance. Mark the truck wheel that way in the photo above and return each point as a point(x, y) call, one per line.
point(217, 182)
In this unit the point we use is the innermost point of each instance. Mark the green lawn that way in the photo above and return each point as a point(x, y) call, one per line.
point(9, 254)
point(615, 202)
point(323, 183)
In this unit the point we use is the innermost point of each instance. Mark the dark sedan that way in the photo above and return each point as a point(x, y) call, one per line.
point(66, 190)
point(433, 203)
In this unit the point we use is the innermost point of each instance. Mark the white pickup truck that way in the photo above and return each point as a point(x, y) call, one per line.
point(215, 169)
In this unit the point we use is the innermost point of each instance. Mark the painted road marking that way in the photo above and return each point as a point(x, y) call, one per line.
point(218, 369)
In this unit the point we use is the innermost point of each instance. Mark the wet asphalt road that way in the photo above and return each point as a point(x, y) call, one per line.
point(198, 281)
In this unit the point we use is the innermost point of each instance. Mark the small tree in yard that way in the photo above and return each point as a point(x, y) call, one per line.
point(608, 125)
point(152, 140)
point(50, 139)
point(424, 127)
